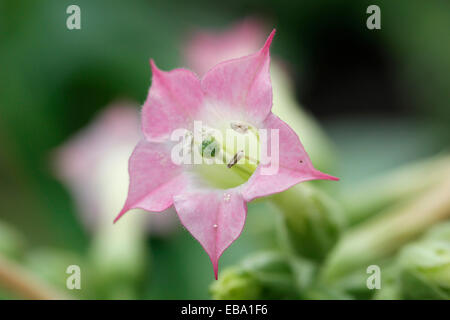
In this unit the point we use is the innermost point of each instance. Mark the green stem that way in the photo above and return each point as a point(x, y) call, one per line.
point(366, 200)
point(23, 283)
point(383, 235)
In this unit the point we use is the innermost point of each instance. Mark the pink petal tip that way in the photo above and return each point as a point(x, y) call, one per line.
point(121, 213)
point(269, 41)
point(324, 176)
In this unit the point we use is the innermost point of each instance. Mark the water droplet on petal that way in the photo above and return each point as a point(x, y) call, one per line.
point(226, 197)
point(215, 226)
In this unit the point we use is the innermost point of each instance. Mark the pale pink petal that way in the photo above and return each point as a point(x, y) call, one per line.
point(115, 130)
point(154, 178)
point(204, 48)
point(294, 165)
point(214, 218)
point(242, 85)
point(114, 127)
point(173, 102)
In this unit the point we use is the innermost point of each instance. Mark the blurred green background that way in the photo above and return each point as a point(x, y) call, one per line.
point(381, 95)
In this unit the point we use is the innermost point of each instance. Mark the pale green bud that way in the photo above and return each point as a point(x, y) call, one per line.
point(425, 266)
point(267, 275)
point(236, 284)
point(311, 222)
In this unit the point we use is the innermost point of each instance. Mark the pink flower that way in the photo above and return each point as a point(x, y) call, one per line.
point(233, 92)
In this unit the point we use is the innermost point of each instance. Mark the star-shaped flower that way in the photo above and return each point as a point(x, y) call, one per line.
point(210, 198)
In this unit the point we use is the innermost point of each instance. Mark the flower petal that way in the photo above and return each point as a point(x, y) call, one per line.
point(173, 101)
point(293, 164)
point(154, 178)
point(205, 48)
point(214, 218)
point(109, 139)
point(242, 84)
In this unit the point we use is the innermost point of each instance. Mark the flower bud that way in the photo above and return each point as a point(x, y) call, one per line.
point(311, 222)
point(267, 275)
point(425, 266)
point(236, 284)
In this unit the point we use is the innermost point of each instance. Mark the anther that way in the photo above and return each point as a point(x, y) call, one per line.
point(238, 156)
point(239, 127)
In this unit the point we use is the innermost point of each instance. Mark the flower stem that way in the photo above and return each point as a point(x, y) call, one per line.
point(21, 282)
point(383, 235)
point(363, 201)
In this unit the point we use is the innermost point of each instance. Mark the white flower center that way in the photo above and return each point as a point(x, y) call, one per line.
point(228, 155)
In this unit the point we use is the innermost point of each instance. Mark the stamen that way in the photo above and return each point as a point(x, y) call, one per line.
point(238, 156)
point(239, 127)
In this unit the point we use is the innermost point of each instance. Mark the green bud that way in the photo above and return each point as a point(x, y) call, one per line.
point(311, 222)
point(425, 267)
point(236, 284)
point(267, 275)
